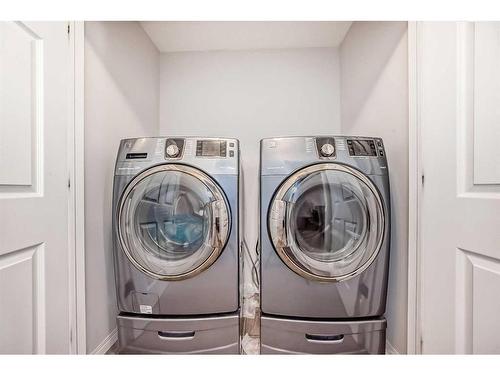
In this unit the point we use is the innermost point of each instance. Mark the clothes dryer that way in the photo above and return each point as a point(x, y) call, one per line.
point(325, 237)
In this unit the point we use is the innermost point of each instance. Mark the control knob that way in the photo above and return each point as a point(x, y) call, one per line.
point(172, 150)
point(327, 149)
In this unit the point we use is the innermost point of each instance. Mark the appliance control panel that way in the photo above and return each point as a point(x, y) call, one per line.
point(281, 156)
point(365, 147)
point(327, 147)
point(212, 155)
point(210, 148)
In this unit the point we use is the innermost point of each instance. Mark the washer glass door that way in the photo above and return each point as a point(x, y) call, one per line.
point(173, 221)
point(327, 222)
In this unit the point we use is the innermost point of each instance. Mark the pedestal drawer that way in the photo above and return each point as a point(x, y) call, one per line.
point(294, 336)
point(217, 335)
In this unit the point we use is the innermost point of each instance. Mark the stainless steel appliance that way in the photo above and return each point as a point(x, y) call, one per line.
point(176, 245)
point(325, 237)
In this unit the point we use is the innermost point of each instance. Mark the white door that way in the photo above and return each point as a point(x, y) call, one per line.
point(459, 110)
point(34, 194)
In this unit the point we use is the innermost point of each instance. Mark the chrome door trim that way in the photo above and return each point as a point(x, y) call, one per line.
point(276, 233)
point(220, 227)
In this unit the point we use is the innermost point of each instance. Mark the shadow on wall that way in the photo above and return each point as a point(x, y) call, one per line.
point(365, 53)
point(121, 49)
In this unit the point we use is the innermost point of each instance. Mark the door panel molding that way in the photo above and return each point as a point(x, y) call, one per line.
point(25, 140)
point(471, 182)
point(463, 295)
point(486, 51)
point(27, 305)
point(475, 314)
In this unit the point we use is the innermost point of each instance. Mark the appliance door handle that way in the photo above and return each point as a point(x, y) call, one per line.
point(280, 219)
point(219, 224)
point(176, 335)
point(325, 339)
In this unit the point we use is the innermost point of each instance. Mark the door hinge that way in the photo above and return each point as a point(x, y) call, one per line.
point(68, 28)
point(69, 183)
point(423, 179)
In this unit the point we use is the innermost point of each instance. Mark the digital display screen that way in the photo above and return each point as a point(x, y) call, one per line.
point(211, 148)
point(361, 147)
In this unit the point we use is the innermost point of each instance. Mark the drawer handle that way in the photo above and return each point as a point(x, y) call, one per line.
point(325, 339)
point(176, 335)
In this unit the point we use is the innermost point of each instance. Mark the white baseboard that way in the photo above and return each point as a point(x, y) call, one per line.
point(389, 349)
point(107, 343)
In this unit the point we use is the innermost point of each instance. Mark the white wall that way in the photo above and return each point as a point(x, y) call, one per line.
point(121, 100)
point(250, 95)
point(374, 97)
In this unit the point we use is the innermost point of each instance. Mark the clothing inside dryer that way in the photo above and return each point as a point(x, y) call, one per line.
point(173, 215)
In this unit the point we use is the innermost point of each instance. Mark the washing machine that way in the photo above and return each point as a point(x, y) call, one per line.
point(324, 242)
point(176, 245)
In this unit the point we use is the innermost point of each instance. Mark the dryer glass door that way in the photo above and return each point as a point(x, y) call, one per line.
point(173, 221)
point(327, 222)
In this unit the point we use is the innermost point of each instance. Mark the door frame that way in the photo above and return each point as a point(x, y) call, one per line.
point(415, 182)
point(76, 200)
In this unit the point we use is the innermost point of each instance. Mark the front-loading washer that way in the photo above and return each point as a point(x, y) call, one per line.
point(176, 245)
point(325, 237)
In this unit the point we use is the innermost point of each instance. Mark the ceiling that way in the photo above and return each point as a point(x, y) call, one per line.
point(173, 36)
